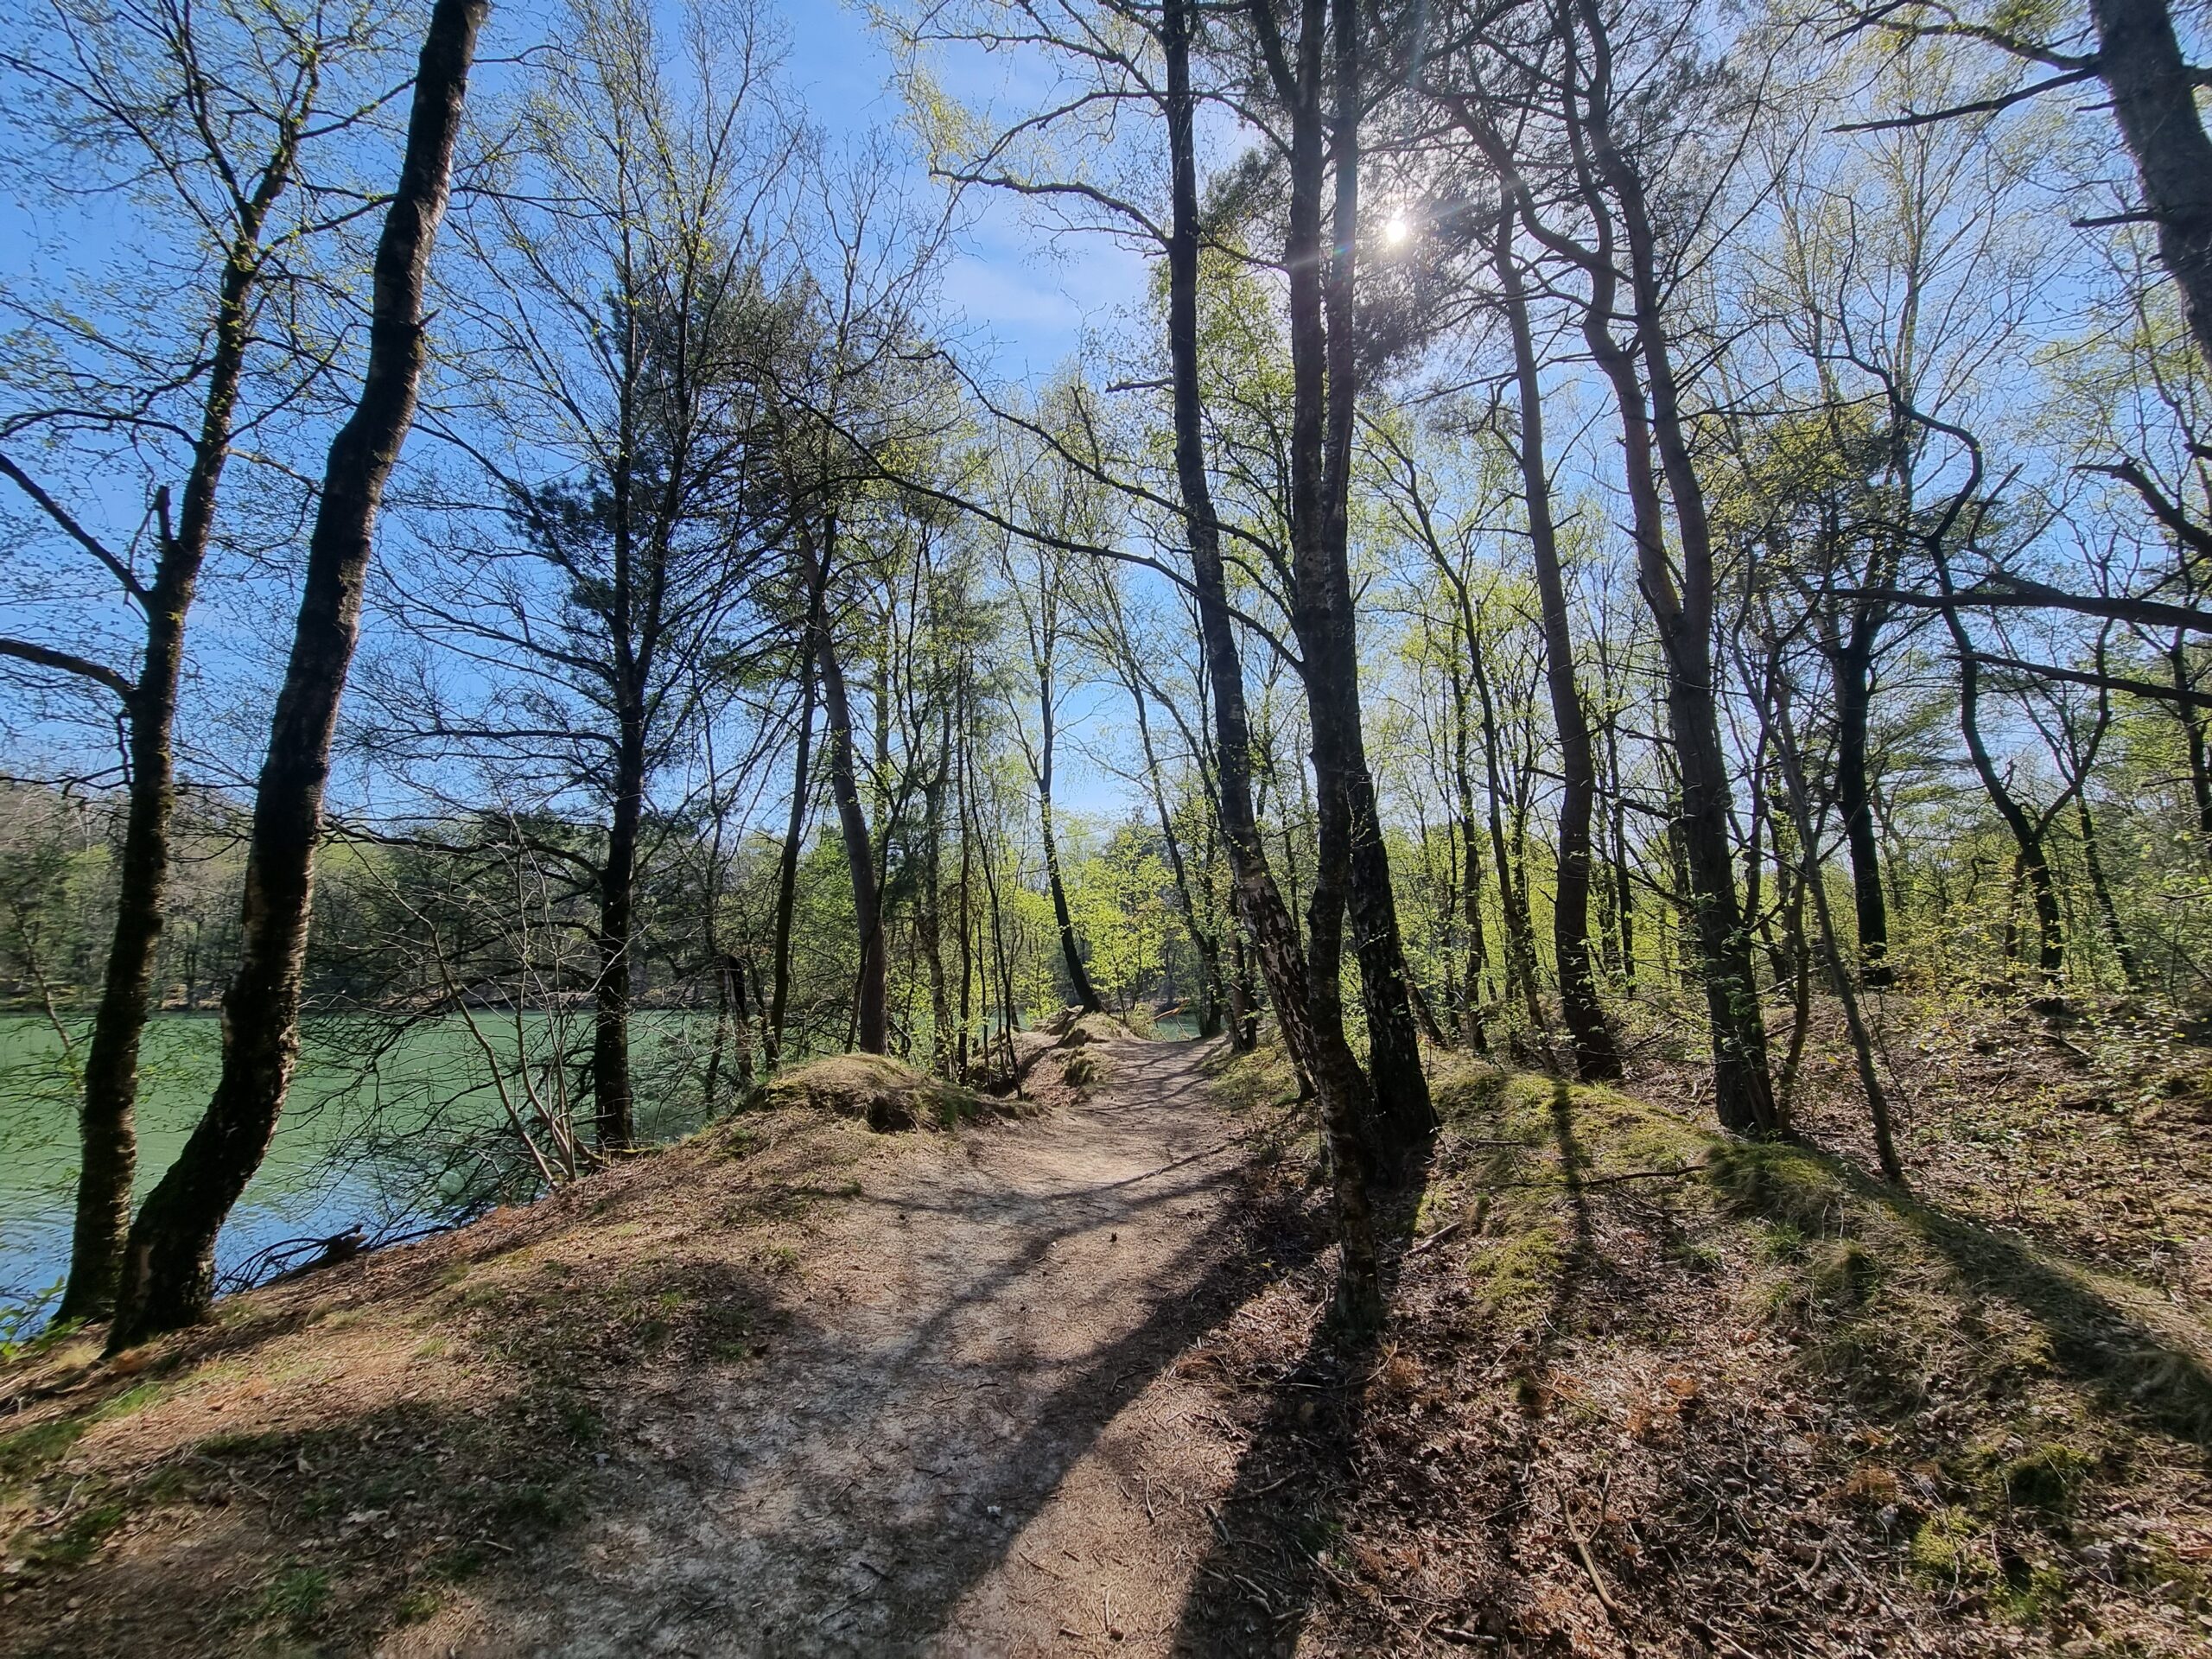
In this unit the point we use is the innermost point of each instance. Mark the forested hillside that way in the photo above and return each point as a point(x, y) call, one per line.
point(1602, 606)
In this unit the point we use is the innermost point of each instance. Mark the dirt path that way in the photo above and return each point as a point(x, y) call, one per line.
point(972, 1438)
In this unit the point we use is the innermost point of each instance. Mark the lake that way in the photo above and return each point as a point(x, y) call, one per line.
point(390, 1126)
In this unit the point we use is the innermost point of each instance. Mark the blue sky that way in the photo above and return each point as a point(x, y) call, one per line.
point(1016, 309)
point(1019, 306)
point(1024, 305)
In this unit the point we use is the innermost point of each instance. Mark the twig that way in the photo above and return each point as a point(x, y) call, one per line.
point(1436, 1237)
point(1675, 1173)
point(1590, 1565)
point(1257, 1491)
point(2074, 1049)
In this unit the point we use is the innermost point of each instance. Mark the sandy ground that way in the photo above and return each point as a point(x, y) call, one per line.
point(972, 1440)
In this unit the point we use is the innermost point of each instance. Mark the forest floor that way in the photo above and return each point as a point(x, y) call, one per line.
point(1057, 1383)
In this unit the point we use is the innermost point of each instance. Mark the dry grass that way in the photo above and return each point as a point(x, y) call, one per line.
point(1647, 1391)
point(886, 1094)
point(1643, 1389)
point(335, 1461)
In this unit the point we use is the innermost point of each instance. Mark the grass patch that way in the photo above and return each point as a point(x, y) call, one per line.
point(296, 1598)
point(71, 1544)
point(25, 1454)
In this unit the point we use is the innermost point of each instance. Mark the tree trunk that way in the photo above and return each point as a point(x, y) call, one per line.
point(1512, 897)
point(1207, 947)
point(1471, 888)
point(1743, 1092)
point(871, 990)
point(1624, 875)
point(1259, 902)
point(787, 860)
point(929, 909)
point(2154, 98)
point(108, 1138)
point(1079, 977)
point(1307, 1007)
point(1597, 1058)
point(1853, 697)
point(614, 1106)
point(1839, 976)
point(2093, 857)
point(2200, 753)
point(2027, 838)
point(168, 1267)
point(1405, 1120)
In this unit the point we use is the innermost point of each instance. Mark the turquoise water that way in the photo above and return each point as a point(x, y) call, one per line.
point(388, 1127)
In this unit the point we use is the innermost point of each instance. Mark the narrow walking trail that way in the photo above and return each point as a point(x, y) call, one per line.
point(972, 1438)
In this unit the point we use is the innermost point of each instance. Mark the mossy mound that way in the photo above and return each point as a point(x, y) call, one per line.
point(887, 1094)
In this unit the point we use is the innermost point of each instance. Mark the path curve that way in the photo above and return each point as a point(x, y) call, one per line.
point(973, 1438)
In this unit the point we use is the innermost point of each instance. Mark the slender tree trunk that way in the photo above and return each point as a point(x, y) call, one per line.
point(1307, 1007)
point(1742, 1092)
point(1243, 999)
point(1259, 902)
point(1086, 995)
point(787, 860)
point(2101, 888)
point(1801, 990)
point(168, 1266)
point(1597, 1058)
point(1405, 1120)
point(2027, 837)
point(872, 993)
point(1352, 866)
point(1471, 888)
point(1202, 942)
point(2200, 753)
point(1624, 873)
point(929, 909)
point(1513, 898)
point(1839, 974)
point(1852, 695)
point(613, 1105)
point(959, 758)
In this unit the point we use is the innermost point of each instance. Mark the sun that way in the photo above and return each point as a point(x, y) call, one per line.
point(1395, 231)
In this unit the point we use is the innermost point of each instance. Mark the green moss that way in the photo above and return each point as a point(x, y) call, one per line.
point(2047, 1479)
point(1783, 1184)
point(1939, 1550)
point(1262, 1079)
point(886, 1095)
point(2028, 1593)
point(1783, 1241)
point(1518, 1271)
point(1465, 1092)
point(1844, 1273)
